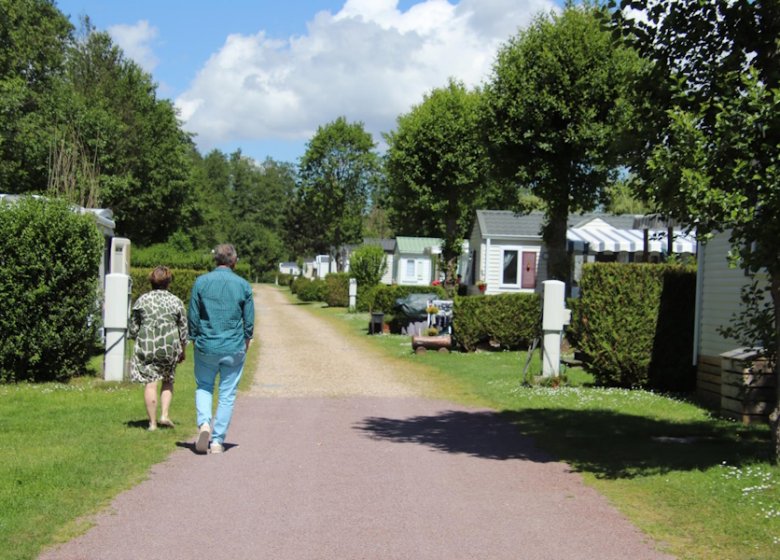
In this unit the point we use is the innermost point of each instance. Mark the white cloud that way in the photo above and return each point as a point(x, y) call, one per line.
point(135, 40)
point(369, 62)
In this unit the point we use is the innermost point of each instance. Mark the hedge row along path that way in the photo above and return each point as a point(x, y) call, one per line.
point(336, 453)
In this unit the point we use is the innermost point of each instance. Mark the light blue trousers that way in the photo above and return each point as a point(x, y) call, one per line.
point(207, 367)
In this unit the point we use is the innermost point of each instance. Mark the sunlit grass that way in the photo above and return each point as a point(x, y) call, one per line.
point(68, 449)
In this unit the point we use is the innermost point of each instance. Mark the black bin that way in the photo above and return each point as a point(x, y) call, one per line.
point(377, 321)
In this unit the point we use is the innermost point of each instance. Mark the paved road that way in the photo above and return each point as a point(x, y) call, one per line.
point(334, 455)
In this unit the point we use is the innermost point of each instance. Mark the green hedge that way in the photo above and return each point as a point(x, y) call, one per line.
point(309, 290)
point(507, 320)
point(164, 254)
point(181, 284)
point(49, 300)
point(634, 323)
point(337, 289)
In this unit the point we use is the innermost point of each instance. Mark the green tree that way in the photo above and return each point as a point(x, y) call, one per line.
point(337, 175)
point(367, 265)
point(554, 115)
point(140, 150)
point(714, 158)
point(259, 195)
point(435, 169)
point(34, 37)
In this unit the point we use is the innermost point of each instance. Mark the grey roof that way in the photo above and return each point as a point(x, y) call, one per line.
point(387, 244)
point(505, 223)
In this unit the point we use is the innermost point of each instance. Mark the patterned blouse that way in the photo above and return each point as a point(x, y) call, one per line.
point(158, 322)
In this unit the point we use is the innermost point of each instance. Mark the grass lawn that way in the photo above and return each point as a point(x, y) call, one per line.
point(703, 487)
point(68, 449)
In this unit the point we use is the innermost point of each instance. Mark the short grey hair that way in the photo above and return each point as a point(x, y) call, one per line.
point(225, 254)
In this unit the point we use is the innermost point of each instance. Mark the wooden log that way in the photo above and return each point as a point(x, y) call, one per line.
point(432, 342)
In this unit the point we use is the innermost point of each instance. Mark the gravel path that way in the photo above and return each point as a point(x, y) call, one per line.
point(334, 454)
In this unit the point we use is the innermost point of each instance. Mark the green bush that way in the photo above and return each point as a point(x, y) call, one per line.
point(181, 284)
point(168, 255)
point(337, 289)
point(49, 299)
point(367, 265)
point(634, 323)
point(383, 297)
point(507, 320)
point(309, 290)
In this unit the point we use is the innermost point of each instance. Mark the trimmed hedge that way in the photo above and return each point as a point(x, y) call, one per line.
point(49, 300)
point(181, 284)
point(508, 320)
point(337, 289)
point(634, 323)
point(164, 254)
point(308, 290)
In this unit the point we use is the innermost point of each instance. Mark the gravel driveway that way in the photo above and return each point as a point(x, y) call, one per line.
point(335, 453)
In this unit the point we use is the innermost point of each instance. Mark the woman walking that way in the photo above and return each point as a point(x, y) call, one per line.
point(158, 322)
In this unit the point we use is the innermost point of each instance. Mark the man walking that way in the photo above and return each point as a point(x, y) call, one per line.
point(221, 321)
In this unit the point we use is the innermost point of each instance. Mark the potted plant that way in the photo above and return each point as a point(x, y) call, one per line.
point(482, 286)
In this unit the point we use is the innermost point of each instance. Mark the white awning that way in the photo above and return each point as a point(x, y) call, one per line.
point(601, 238)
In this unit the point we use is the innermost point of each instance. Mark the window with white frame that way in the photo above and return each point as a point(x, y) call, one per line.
point(510, 261)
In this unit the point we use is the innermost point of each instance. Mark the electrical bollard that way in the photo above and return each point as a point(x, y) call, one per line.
point(554, 317)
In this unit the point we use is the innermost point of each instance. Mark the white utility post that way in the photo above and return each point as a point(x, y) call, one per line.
point(555, 316)
point(352, 294)
point(116, 309)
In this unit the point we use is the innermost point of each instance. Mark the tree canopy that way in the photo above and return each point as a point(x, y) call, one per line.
point(436, 168)
point(337, 177)
point(713, 162)
point(555, 114)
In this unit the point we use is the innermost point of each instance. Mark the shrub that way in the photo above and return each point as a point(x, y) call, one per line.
point(634, 323)
point(337, 289)
point(49, 300)
point(507, 320)
point(181, 284)
point(169, 255)
point(309, 290)
point(367, 265)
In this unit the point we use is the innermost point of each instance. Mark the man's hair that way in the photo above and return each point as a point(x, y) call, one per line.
point(225, 254)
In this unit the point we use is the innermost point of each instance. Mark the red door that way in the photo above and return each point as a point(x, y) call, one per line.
point(528, 278)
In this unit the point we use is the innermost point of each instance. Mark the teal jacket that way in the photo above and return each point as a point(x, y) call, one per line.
point(221, 315)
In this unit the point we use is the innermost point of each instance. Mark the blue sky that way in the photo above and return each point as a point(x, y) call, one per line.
point(263, 75)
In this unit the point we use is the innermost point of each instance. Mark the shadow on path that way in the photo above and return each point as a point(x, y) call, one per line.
point(484, 434)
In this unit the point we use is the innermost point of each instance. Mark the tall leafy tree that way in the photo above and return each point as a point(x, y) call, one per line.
point(136, 140)
point(259, 198)
point(337, 175)
point(714, 160)
point(554, 113)
point(435, 168)
point(34, 36)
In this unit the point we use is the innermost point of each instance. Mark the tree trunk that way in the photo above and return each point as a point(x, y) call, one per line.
point(554, 234)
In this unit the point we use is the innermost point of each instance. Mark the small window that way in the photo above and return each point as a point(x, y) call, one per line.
point(510, 268)
point(410, 268)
